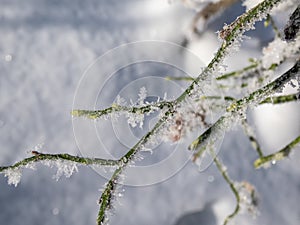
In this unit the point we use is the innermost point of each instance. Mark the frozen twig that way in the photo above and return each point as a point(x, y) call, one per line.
point(249, 132)
point(230, 35)
point(95, 114)
point(240, 106)
point(282, 154)
point(223, 171)
point(281, 99)
point(38, 157)
point(269, 21)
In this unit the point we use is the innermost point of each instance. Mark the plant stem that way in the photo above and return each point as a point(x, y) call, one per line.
point(94, 114)
point(239, 106)
point(41, 157)
point(223, 172)
point(283, 153)
point(248, 131)
point(281, 99)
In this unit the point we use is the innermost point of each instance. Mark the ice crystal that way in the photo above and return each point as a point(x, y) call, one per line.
point(120, 101)
point(142, 95)
point(64, 167)
point(13, 176)
point(135, 118)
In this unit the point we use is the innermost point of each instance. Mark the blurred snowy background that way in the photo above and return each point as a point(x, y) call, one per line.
point(45, 47)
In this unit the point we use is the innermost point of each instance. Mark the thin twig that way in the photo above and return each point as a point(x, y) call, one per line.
point(240, 105)
point(280, 155)
point(225, 175)
point(248, 131)
point(42, 157)
point(95, 114)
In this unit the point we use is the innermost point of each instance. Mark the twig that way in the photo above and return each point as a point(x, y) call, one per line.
point(270, 20)
point(282, 154)
point(249, 132)
point(95, 114)
point(225, 175)
point(38, 156)
point(280, 99)
point(238, 106)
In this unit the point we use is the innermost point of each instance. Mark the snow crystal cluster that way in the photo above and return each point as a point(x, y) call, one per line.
point(278, 50)
point(13, 175)
point(66, 168)
point(137, 111)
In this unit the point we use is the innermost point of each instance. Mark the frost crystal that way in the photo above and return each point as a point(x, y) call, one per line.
point(142, 95)
point(13, 175)
point(135, 118)
point(120, 101)
point(63, 168)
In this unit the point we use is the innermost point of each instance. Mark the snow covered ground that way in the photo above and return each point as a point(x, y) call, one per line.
point(45, 48)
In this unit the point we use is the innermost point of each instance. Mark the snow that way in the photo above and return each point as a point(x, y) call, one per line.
point(45, 48)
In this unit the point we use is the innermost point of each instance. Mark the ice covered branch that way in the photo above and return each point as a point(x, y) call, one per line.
point(65, 163)
point(38, 156)
point(280, 155)
point(238, 107)
point(231, 184)
point(147, 108)
point(230, 34)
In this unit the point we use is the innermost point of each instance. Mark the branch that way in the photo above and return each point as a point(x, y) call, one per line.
point(249, 132)
point(95, 114)
point(269, 21)
point(226, 177)
point(283, 153)
point(280, 99)
point(238, 107)
point(42, 157)
point(231, 35)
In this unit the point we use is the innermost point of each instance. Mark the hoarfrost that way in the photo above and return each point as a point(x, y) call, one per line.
point(65, 168)
point(13, 175)
point(142, 95)
point(135, 118)
point(120, 101)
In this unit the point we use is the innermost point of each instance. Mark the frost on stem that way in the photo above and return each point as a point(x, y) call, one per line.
point(13, 176)
point(65, 168)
